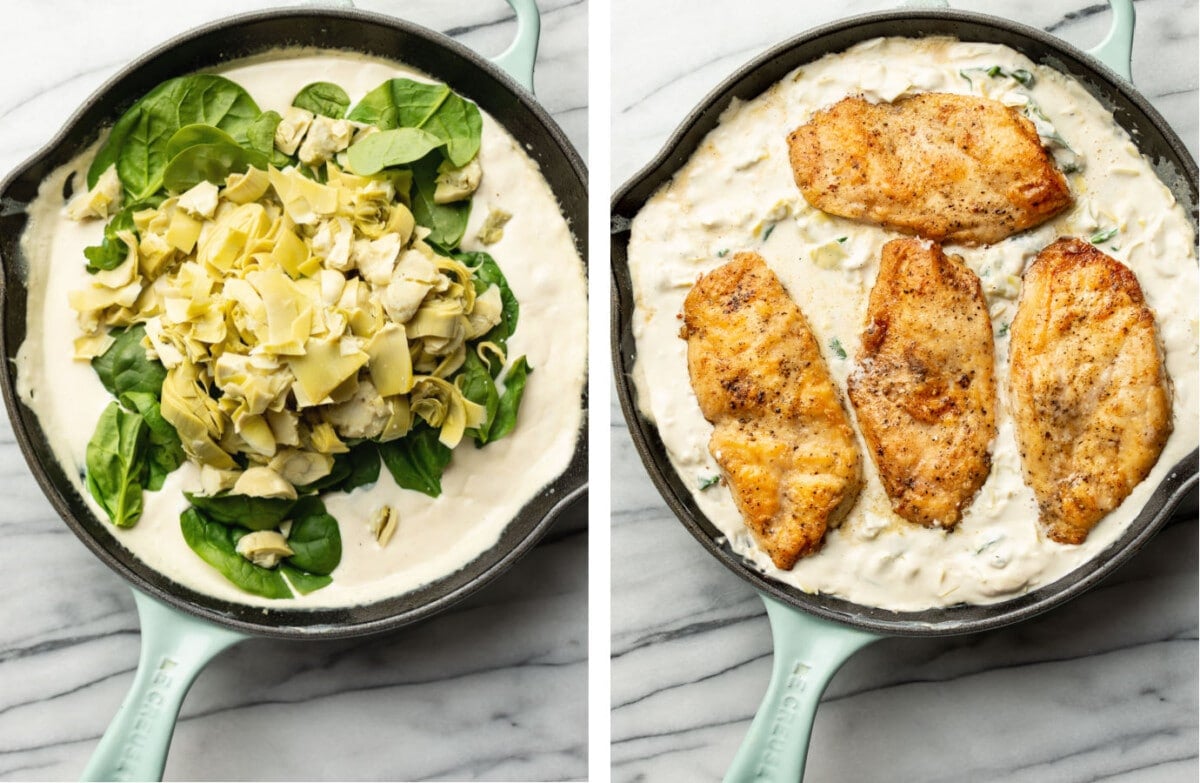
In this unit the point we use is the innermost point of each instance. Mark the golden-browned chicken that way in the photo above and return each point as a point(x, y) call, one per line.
point(1091, 397)
point(781, 435)
point(953, 168)
point(924, 387)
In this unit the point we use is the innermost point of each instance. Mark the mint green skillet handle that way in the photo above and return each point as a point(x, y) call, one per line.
point(175, 647)
point(808, 651)
point(1116, 50)
point(518, 59)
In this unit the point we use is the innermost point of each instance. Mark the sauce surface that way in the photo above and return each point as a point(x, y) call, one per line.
point(483, 489)
point(736, 193)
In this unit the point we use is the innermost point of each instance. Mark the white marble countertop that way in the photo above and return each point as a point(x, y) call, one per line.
point(1104, 688)
point(495, 688)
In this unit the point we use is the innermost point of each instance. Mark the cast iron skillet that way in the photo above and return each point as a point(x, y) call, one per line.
point(812, 643)
point(180, 625)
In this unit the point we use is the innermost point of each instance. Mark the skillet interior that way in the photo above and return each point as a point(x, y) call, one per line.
point(205, 47)
point(1153, 137)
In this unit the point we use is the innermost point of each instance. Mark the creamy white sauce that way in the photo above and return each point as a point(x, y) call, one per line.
point(739, 182)
point(482, 489)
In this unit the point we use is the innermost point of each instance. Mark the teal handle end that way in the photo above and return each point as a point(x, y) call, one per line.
point(175, 647)
point(808, 652)
point(519, 58)
point(1116, 50)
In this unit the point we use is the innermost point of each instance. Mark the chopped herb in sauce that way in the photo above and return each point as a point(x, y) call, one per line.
point(722, 252)
point(1003, 329)
point(1019, 75)
point(767, 232)
point(842, 240)
point(705, 483)
point(1103, 236)
point(835, 345)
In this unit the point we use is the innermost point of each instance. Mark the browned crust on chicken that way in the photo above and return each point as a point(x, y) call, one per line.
point(1090, 391)
point(924, 388)
point(954, 168)
point(780, 433)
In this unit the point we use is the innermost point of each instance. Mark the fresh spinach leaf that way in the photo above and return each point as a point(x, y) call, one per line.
point(196, 133)
point(115, 464)
point(363, 459)
point(125, 368)
point(475, 381)
point(302, 581)
point(357, 467)
point(404, 103)
point(447, 222)
point(394, 147)
point(216, 544)
point(510, 400)
point(243, 510)
point(209, 162)
point(165, 452)
point(323, 98)
point(486, 273)
point(315, 538)
point(260, 136)
point(138, 141)
point(417, 460)
point(111, 252)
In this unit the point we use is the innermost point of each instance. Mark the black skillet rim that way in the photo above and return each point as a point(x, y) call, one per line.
point(749, 81)
point(211, 45)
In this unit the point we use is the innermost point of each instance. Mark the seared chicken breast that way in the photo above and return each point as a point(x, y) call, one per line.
point(780, 434)
point(954, 168)
point(1090, 393)
point(924, 387)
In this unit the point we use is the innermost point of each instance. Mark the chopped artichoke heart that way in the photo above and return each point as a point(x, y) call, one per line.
point(291, 129)
point(304, 200)
point(390, 363)
point(301, 467)
point(285, 427)
point(399, 420)
point(332, 283)
point(256, 432)
point(209, 327)
point(101, 201)
point(195, 416)
point(363, 415)
point(244, 188)
point(403, 297)
point(124, 273)
point(376, 258)
point(438, 318)
point(322, 367)
point(201, 200)
point(263, 482)
point(383, 524)
point(183, 232)
point(288, 311)
point(332, 243)
point(486, 313)
point(492, 230)
point(326, 137)
point(829, 255)
point(464, 289)
point(456, 184)
point(214, 481)
point(264, 548)
point(401, 223)
point(226, 243)
point(441, 404)
point(89, 346)
point(323, 438)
